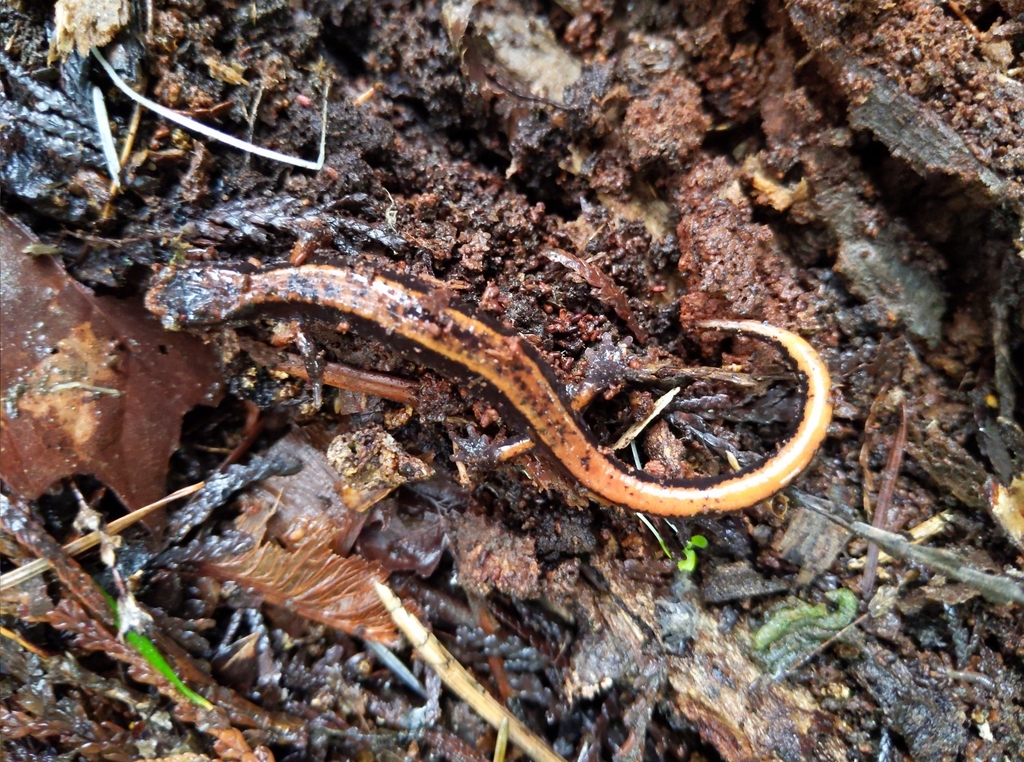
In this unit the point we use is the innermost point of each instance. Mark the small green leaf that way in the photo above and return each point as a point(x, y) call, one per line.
point(152, 654)
point(156, 659)
point(689, 561)
point(697, 541)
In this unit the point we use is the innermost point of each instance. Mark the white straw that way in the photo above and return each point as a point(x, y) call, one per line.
point(210, 132)
point(99, 108)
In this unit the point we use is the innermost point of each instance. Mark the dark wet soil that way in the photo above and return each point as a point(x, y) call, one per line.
point(597, 176)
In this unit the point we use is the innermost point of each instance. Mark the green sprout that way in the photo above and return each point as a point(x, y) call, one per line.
point(689, 560)
point(152, 654)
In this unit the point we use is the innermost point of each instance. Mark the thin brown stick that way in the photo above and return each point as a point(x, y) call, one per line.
point(966, 21)
point(918, 534)
point(487, 623)
point(255, 422)
point(884, 501)
point(355, 380)
point(870, 424)
point(513, 449)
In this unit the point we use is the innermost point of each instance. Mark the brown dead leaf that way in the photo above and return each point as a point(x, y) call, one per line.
point(313, 582)
point(285, 506)
point(88, 384)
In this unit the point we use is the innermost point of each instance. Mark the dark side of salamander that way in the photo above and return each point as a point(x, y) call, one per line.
point(204, 296)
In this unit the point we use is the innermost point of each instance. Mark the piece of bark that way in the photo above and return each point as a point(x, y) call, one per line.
point(713, 684)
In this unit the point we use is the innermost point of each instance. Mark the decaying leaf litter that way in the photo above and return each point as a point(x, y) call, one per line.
point(600, 178)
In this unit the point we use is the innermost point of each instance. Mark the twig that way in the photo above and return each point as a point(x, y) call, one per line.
point(880, 520)
point(490, 627)
point(255, 422)
point(966, 21)
point(918, 534)
point(355, 379)
point(997, 588)
point(456, 677)
point(865, 448)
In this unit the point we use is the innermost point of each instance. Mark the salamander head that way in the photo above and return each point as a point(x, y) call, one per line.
point(193, 296)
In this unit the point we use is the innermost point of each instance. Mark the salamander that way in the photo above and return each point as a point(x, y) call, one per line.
point(421, 321)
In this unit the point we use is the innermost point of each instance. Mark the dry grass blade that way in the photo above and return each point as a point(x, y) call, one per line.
point(634, 431)
point(32, 568)
point(501, 743)
point(315, 583)
point(461, 682)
